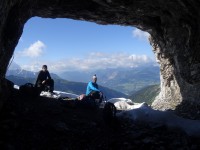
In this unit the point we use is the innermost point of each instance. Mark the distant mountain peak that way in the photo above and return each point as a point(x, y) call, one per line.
point(14, 66)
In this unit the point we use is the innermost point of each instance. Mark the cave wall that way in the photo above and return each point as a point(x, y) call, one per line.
point(12, 20)
point(173, 25)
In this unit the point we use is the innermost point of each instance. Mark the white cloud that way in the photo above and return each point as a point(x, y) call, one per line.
point(35, 50)
point(93, 61)
point(140, 34)
point(33, 66)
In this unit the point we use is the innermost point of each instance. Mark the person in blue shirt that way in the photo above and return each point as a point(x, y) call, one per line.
point(93, 89)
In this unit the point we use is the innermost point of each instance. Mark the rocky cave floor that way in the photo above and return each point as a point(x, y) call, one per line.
point(48, 124)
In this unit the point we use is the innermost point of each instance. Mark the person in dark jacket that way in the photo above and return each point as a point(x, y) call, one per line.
point(44, 80)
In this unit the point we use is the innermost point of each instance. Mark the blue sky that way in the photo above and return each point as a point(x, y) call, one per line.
point(66, 44)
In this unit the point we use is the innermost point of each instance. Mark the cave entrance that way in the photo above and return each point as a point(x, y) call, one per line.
point(121, 56)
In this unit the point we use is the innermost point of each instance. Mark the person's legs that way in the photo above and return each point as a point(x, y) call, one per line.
point(40, 87)
point(95, 95)
point(50, 85)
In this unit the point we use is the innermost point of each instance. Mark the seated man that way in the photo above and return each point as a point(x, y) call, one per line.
point(93, 90)
point(44, 81)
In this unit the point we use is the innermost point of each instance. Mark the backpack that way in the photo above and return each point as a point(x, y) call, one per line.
point(29, 90)
point(109, 112)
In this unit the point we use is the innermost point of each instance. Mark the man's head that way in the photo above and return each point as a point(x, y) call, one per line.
point(94, 78)
point(44, 67)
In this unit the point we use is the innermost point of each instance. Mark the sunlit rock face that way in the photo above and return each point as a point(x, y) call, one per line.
point(173, 25)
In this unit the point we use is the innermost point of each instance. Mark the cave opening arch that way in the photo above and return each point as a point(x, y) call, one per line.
point(64, 46)
point(173, 26)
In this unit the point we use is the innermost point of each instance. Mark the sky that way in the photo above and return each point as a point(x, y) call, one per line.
point(66, 44)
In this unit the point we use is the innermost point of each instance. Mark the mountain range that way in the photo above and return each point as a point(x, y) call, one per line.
point(146, 94)
point(67, 86)
point(26, 74)
point(126, 80)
